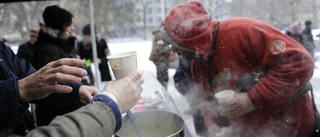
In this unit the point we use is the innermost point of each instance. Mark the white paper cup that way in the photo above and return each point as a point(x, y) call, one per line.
point(123, 64)
point(224, 95)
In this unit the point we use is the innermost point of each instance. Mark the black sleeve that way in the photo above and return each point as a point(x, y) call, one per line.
point(182, 78)
point(11, 69)
point(62, 99)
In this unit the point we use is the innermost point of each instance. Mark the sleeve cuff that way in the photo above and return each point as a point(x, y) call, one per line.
point(113, 105)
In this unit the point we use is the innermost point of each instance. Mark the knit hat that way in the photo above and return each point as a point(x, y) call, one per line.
point(308, 23)
point(295, 28)
point(56, 17)
point(188, 24)
point(86, 30)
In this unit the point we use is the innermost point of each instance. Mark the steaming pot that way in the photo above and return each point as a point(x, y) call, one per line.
point(153, 123)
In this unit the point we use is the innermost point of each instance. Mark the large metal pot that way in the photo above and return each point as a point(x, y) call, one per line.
point(153, 123)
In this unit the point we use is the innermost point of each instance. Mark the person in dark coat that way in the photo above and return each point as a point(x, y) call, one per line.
point(27, 49)
point(85, 52)
point(307, 38)
point(185, 85)
point(55, 41)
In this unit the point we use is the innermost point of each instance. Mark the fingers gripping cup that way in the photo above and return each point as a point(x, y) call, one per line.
point(123, 64)
point(224, 96)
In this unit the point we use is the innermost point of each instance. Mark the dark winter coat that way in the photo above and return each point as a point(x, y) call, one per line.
point(51, 48)
point(183, 77)
point(307, 38)
point(12, 112)
point(185, 85)
point(26, 51)
point(296, 37)
point(85, 52)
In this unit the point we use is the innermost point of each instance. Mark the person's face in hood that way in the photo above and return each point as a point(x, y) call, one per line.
point(87, 39)
point(184, 52)
point(175, 47)
point(69, 27)
point(33, 37)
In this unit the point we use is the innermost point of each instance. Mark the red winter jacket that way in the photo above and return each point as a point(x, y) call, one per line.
point(243, 44)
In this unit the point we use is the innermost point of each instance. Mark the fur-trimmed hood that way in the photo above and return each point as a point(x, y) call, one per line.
point(55, 33)
point(64, 40)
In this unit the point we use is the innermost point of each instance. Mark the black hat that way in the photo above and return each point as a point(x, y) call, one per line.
point(86, 30)
point(308, 23)
point(56, 17)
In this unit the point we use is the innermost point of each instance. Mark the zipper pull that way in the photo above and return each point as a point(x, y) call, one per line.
point(24, 124)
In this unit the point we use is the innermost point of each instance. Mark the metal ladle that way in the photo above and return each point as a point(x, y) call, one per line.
point(134, 123)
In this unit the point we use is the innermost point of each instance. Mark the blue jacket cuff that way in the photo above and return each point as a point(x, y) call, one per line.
point(114, 107)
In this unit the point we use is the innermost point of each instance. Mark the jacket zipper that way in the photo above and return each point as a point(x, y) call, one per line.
point(25, 127)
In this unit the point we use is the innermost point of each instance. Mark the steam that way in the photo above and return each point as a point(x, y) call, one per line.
point(237, 127)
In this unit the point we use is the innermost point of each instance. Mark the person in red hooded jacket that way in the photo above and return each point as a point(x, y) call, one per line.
point(268, 71)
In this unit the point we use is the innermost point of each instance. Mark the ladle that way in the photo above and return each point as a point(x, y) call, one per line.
point(134, 123)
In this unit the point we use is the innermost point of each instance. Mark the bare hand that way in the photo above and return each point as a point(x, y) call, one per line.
point(86, 93)
point(237, 106)
point(45, 81)
point(125, 91)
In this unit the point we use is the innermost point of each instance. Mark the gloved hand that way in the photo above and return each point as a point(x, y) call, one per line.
point(86, 93)
point(237, 106)
point(125, 91)
point(45, 81)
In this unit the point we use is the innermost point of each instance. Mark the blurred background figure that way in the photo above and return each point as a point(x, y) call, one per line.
point(56, 40)
point(307, 38)
point(295, 31)
point(160, 56)
point(5, 41)
point(85, 52)
point(26, 50)
point(184, 84)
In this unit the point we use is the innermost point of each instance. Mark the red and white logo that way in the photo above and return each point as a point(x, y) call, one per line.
point(277, 47)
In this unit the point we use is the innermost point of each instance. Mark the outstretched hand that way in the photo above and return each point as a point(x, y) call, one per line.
point(45, 81)
point(86, 93)
point(125, 91)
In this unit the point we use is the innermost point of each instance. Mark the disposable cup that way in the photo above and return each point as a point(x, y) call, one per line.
point(224, 95)
point(123, 64)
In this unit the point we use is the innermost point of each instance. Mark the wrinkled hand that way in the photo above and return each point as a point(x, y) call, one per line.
point(125, 91)
point(45, 81)
point(86, 93)
point(237, 106)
